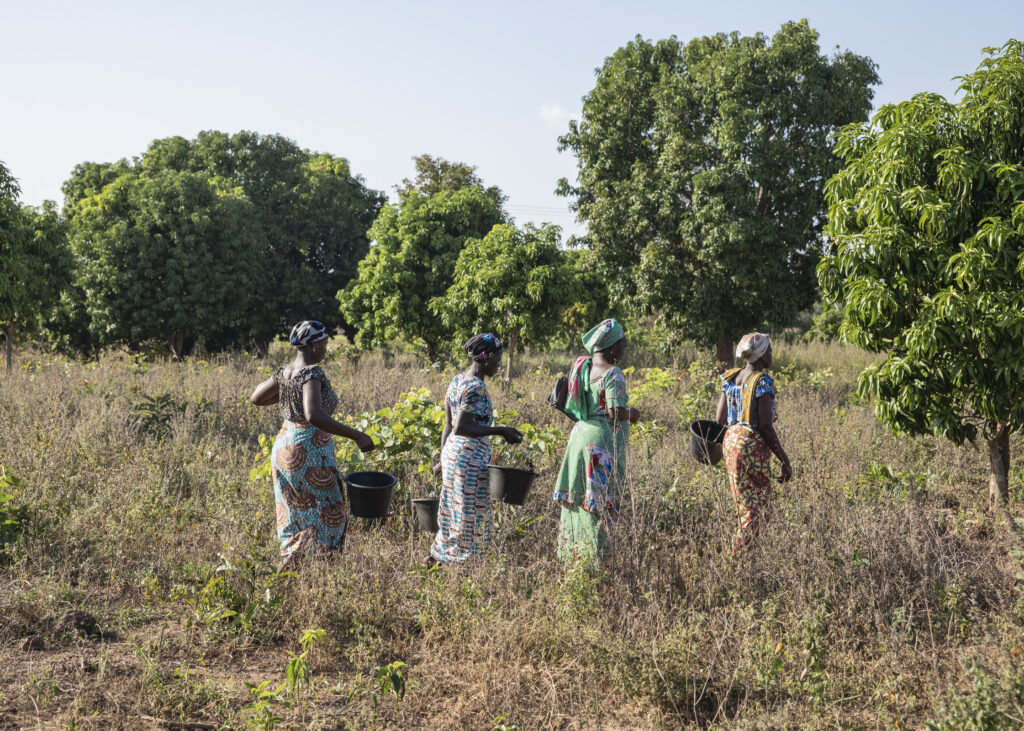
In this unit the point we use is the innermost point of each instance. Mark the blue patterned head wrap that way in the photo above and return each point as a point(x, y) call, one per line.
point(306, 333)
point(483, 347)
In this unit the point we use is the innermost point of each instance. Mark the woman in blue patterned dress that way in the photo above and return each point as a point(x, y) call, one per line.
point(747, 407)
point(463, 513)
point(311, 515)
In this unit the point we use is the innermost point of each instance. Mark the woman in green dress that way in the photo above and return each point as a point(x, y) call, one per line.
point(594, 466)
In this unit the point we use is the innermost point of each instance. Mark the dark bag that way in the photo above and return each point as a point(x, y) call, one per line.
point(559, 395)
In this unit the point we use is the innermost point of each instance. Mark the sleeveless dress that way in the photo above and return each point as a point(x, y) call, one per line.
point(463, 512)
point(311, 514)
point(747, 457)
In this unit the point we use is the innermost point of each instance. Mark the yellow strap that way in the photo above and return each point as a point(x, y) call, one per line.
point(729, 375)
point(747, 395)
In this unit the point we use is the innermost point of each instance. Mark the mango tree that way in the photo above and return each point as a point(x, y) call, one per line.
point(516, 283)
point(926, 220)
point(417, 245)
point(700, 174)
point(35, 261)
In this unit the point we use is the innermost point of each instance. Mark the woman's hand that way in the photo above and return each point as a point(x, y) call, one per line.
point(365, 442)
point(787, 472)
point(510, 435)
point(436, 470)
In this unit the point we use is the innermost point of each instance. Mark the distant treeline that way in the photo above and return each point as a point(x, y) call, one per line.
point(701, 169)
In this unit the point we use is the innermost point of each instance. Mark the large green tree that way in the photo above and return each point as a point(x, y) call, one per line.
point(926, 220)
point(435, 175)
point(167, 257)
point(35, 261)
point(700, 174)
point(309, 212)
point(417, 244)
point(516, 283)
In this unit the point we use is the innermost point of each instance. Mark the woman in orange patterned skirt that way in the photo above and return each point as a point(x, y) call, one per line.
point(747, 407)
point(311, 515)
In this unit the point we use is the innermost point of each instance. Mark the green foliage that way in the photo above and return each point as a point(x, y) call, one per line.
point(166, 256)
point(190, 228)
point(417, 245)
point(12, 518)
point(156, 412)
point(236, 598)
point(391, 680)
point(537, 443)
point(407, 435)
point(435, 175)
point(261, 712)
point(700, 169)
point(826, 325)
point(815, 678)
point(992, 704)
point(516, 283)
point(927, 225)
point(650, 383)
point(34, 260)
point(592, 301)
point(704, 385)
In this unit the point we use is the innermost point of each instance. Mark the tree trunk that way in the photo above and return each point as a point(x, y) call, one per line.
point(724, 356)
point(431, 351)
point(177, 344)
point(511, 352)
point(999, 466)
point(9, 347)
point(572, 341)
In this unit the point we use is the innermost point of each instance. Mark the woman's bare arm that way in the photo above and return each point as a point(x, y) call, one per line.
point(267, 393)
point(465, 426)
point(315, 415)
point(771, 437)
point(722, 411)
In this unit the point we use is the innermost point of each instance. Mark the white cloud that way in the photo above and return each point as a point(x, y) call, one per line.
point(553, 114)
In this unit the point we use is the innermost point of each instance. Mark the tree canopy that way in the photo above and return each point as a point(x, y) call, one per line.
point(700, 174)
point(927, 260)
point(306, 223)
point(34, 261)
point(435, 175)
point(167, 257)
point(417, 244)
point(516, 283)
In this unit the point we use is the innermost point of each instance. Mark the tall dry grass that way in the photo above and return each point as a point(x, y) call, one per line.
point(881, 595)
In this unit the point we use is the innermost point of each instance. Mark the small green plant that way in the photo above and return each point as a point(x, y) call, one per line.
point(12, 519)
point(703, 387)
point(498, 723)
point(234, 598)
point(650, 383)
point(992, 704)
point(262, 713)
point(391, 680)
point(815, 678)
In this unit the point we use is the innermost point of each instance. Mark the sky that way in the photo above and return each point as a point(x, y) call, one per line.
point(489, 84)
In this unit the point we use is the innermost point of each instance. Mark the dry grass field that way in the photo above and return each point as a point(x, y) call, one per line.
point(883, 594)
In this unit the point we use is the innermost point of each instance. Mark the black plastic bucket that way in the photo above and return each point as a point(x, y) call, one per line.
point(369, 493)
point(509, 484)
point(706, 441)
point(426, 513)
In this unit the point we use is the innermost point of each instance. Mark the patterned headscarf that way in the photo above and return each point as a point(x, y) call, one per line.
point(483, 347)
point(306, 333)
point(752, 346)
point(604, 335)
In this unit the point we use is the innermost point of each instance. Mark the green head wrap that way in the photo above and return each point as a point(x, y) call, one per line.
point(604, 335)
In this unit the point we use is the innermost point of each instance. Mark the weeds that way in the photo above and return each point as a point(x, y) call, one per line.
point(877, 574)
